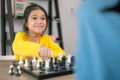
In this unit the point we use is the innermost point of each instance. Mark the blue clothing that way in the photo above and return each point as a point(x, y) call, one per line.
point(98, 48)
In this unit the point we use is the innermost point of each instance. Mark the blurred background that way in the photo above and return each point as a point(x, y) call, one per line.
point(67, 11)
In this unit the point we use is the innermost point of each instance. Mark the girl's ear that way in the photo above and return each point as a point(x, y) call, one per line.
point(26, 24)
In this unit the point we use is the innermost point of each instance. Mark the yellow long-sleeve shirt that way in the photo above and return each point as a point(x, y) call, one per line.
point(22, 46)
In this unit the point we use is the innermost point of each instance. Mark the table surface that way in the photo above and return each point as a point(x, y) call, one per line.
point(4, 75)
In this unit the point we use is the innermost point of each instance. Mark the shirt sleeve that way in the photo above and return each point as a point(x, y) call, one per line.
point(22, 47)
point(56, 49)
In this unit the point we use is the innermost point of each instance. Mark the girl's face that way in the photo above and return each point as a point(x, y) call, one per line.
point(36, 22)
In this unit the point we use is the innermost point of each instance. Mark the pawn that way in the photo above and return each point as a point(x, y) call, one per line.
point(72, 62)
point(60, 56)
point(68, 61)
point(18, 67)
point(47, 65)
point(43, 66)
point(34, 62)
point(11, 71)
point(21, 61)
point(30, 65)
point(63, 62)
point(39, 64)
point(17, 72)
point(51, 64)
point(26, 65)
point(55, 66)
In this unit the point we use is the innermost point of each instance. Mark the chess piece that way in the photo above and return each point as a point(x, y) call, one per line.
point(20, 61)
point(47, 65)
point(60, 56)
point(30, 65)
point(11, 70)
point(26, 65)
point(59, 68)
point(43, 66)
point(68, 61)
point(51, 64)
point(34, 62)
point(18, 67)
point(55, 64)
point(72, 62)
point(63, 62)
point(18, 71)
point(39, 64)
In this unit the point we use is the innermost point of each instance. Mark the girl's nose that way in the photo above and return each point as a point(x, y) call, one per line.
point(39, 21)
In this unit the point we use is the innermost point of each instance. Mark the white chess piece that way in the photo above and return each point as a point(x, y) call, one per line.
point(34, 62)
point(38, 64)
point(20, 61)
point(69, 59)
point(47, 64)
point(60, 56)
point(26, 65)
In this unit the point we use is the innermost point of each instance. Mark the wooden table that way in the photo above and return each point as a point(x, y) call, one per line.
point(4, 75)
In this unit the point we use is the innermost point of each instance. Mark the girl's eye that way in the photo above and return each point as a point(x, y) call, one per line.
point(34, 18)
point(43, 18)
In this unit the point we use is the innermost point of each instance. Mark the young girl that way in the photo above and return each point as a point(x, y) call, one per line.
point(33, 42)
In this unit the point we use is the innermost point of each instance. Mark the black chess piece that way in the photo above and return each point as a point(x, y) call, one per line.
point(50, 64)
point(11, 72)
point(59, 68)
point(43, 66)
point(17, 72)
point(40, 67)
point(72, 62)
point(30, 65)
point(55, 66)
point(63, 63)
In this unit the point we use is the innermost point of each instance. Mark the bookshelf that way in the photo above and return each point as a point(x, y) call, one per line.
point(19, 7)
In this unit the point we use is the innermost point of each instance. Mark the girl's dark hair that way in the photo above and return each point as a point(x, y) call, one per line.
point(27, 12)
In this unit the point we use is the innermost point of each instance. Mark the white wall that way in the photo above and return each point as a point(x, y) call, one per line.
point(68, 10)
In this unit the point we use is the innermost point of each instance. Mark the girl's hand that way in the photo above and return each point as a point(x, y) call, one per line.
point(45, 53)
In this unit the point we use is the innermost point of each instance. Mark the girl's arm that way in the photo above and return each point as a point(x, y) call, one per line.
point(22, 47)
point(56, 49)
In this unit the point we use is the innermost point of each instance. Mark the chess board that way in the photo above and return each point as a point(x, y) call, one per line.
point(44, 74)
